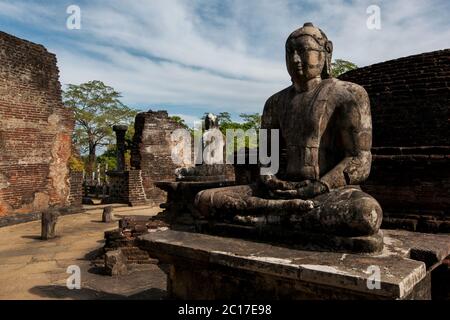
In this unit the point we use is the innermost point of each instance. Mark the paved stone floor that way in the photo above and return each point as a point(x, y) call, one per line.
point(34, 269)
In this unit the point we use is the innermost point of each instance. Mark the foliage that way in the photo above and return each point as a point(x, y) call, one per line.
point(97, 109)
point(76, 164)
point(340, 66)
point(180, 121)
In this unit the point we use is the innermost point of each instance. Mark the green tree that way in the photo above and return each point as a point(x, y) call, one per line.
point(179, 120)
point(340, 66)
point(97, 109)
point(251, 121)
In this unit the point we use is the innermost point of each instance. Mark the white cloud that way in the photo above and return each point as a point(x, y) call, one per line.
point(219, 56)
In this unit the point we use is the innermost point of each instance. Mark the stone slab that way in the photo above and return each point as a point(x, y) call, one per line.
point(400, 275)
point(429, 248)
point(293, 238)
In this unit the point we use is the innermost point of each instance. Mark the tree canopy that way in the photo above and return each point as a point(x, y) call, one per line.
point(340, 66)
point(97, 108)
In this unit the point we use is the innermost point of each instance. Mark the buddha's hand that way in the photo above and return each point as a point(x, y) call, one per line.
point(309, 190)
point(273, 183)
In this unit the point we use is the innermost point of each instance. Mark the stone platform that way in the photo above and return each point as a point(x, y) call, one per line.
point(212, 267)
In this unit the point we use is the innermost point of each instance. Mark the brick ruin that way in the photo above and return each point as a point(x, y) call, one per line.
point(35, 131)
point(411, 144)
point(151, 152)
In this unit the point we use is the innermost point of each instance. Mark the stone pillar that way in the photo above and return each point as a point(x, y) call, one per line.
point(48, 224)
point(120, 131)
point(107, 215)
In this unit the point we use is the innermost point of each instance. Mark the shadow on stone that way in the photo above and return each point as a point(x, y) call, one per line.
point(62, 292)
point(94, 254)
point(38, 238)
point(98, 271)
point(100, 221)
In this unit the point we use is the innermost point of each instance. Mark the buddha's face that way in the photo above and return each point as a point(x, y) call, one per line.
point(305, 58)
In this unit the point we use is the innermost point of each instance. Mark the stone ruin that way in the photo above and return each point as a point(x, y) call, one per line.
point(125, 184)
point(152, 149)
point(410, 178)
point(35, 134)
point(150, 161)
point(175, 193)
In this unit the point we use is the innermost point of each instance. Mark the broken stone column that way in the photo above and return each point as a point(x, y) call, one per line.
point(120, 131)
point(115, 263)
point(48, 223)
point(107, 215)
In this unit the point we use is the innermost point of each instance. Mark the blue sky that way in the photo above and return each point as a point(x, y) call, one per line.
point(189, 56)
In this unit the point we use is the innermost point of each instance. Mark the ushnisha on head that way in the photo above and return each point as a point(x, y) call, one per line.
point(308, 54)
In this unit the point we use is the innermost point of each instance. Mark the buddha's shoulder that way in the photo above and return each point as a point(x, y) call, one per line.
point(279, 97)
point(346, 90)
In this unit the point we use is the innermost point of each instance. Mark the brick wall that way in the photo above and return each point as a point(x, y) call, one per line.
point(152, 151)
point(410, 100)
point(136, 192)
point(35, 130)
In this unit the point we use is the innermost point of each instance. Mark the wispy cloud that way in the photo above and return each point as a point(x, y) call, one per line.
point(208, 55)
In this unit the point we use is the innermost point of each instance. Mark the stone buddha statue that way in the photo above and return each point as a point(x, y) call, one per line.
point(213, 165)
point(325, 130)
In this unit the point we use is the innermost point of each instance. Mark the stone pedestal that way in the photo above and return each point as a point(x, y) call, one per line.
point(230, 268)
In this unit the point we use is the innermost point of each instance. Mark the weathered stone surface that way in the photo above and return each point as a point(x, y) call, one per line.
point(239, 268)
point(295, 239)
point(126, 187)
point(151, 153)
point(107, 215)
point(115, 263)
point(35, 130)
point(325, 131)
point(76, 189)
point(125, 238)
point(179, 208)
point(48, 224)
point(120, 131)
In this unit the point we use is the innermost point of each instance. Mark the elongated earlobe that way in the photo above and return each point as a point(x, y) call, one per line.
point(326, 72)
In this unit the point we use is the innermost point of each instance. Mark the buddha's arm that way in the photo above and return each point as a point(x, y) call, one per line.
point(356, 134)
point(269, 121)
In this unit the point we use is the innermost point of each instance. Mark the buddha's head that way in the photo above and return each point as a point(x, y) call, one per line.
point(308, 54)
point(211, 122)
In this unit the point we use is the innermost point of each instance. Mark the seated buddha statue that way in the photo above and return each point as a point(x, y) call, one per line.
point(325, 130)
point(212, 166)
